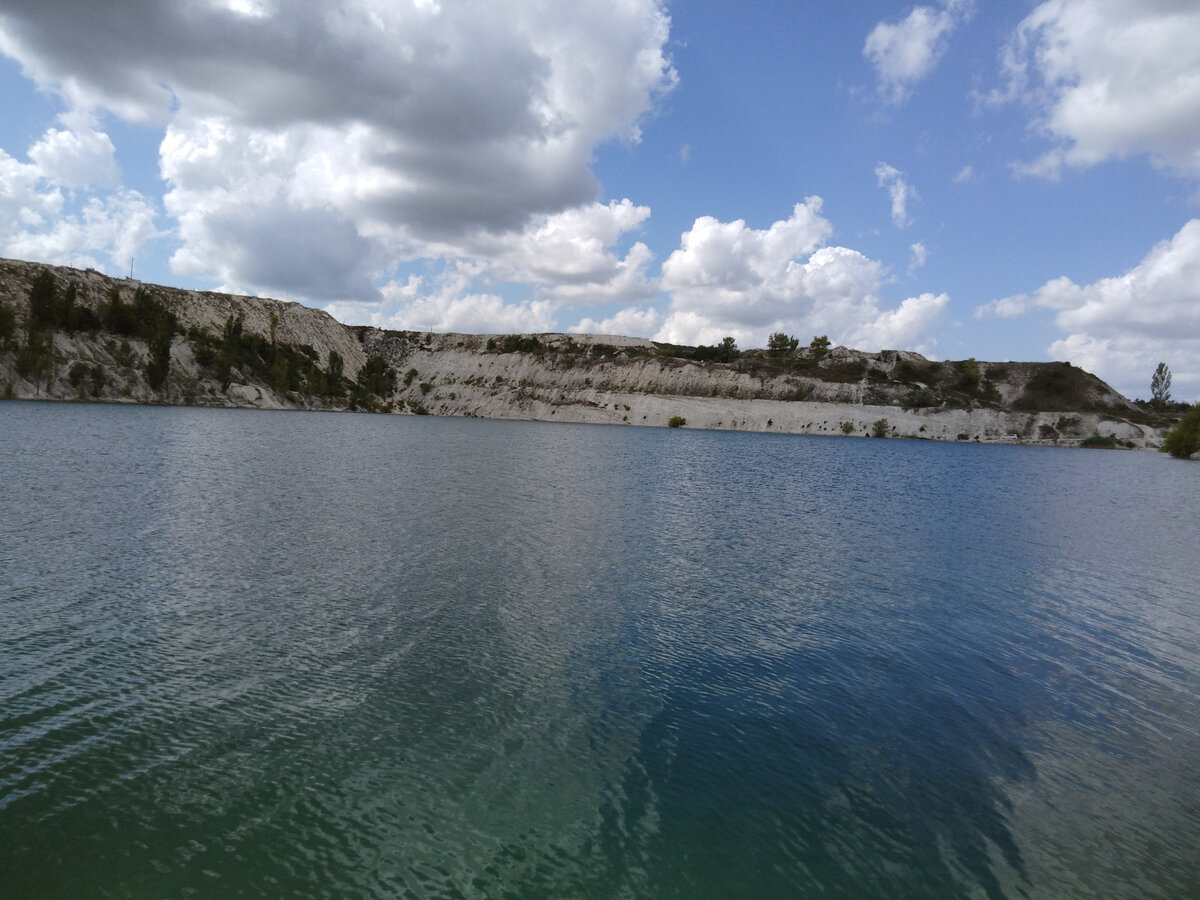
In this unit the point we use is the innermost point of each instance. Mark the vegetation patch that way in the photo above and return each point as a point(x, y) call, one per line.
point(1057, 386)
point(850, 371)
point(1183, 440)
point(515, 343)
point(1101, 442)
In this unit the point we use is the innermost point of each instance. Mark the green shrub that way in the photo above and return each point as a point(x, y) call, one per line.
point(726, 351)
point(879, 428)
point(1098, 442)
point(781, 344)
point(8, 327)
point(921, 398)
point(676, 422)
point(969, 374)
point(847, 428)
point(844, 372)
point(516, 343)
point(159, 362)
point(99, 379)
point(1067, 423)
point(1184, 439)
point(77, 374)
point(122, 354)
point(205, 354)
point(377, 377)
point(43, 301)
point(906, 371)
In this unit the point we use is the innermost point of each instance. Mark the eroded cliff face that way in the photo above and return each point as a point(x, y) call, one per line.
point(116, 362)
point(628, 381)
point(550, 377)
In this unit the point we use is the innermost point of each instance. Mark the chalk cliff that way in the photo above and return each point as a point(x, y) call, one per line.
point(225, 350)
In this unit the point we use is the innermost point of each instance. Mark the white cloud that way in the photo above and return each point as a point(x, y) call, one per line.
point(452, 303)
point(1109, 79)
point(115, 226)
point(1004, 308)
point(900, 191)
point(729, 279)
point(919, 257)
point(1122, 327)
point(41, 220)
point(965, 175)
point(726, 267)
point(76, 158)
point(905, 52)
point(472, 314)
point(571, 254)
point(385, 130)
point(629, 322)
point(903, 328)
point(567, 259)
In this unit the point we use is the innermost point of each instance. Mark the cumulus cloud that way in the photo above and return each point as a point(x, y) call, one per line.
point(41, 219)
point(385, 130)
point(898, 189)
point(446, 302)
point(450, 311)
point(903, 328)
point(572, 254)
point(1122, 327)
point(905, 52)
point(730, 279)
point(76, 158)
point(631, 322)
point(1109, 79)
point(560, 261)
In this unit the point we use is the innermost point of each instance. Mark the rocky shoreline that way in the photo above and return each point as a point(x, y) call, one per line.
point(287, 356)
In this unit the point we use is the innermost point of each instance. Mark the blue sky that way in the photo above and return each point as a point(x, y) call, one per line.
point(960, 177)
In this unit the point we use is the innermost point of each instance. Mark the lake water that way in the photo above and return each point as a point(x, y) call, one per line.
point(248, 654)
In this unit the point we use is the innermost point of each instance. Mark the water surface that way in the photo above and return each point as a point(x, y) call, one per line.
point(275, 654)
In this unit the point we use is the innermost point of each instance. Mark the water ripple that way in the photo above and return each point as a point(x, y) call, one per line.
point(247, 654)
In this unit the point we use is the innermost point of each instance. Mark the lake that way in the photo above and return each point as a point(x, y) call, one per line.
point(248, 654)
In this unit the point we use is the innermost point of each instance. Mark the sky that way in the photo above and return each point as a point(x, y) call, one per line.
point(964, 178)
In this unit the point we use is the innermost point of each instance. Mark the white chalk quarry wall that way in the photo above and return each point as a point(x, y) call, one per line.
point(465, 382)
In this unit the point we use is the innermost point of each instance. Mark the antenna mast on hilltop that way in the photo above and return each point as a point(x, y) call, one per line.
point(131, 259)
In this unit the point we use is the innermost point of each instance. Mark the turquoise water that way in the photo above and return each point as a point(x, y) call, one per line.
point(305, 654)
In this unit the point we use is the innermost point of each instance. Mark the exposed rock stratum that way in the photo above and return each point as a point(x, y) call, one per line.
point(285, 352)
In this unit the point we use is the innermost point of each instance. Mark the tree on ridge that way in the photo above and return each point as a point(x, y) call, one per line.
point(1160, 387)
